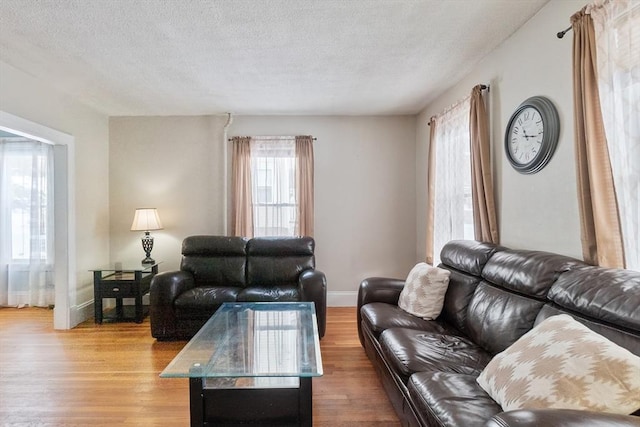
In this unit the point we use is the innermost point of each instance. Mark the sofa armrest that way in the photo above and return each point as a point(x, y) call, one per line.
point(313, 288)
point(377, 289)
point(165, 288)
point(561, 418)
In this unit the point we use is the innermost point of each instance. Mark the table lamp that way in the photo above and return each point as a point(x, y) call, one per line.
point(146, 219)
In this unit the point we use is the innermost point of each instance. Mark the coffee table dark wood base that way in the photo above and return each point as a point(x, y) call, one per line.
point(222, 407)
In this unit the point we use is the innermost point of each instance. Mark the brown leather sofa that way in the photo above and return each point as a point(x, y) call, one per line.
point(219, 269)
point(495, 295)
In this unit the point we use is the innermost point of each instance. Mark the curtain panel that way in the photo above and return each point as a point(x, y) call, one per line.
point(26, 224)
point(431, 186)
point(304, 185)
point(452, 205)
point(600, 228)
point(241, 201)
point(617, 29)
point(484, 210)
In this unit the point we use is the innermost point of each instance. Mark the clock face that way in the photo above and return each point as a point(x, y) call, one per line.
point(525, 136)
point(532, 135)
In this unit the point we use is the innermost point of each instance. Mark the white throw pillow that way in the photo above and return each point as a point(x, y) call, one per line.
point(562, 364)
point(423, 292)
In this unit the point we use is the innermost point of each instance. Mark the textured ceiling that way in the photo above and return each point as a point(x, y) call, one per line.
point(189, 57)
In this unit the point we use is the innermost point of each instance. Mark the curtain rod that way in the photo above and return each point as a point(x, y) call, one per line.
point(272, 137)
point(561, 34)
point(482, 87)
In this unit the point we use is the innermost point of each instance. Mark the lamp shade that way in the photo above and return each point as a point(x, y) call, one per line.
point(146, 219)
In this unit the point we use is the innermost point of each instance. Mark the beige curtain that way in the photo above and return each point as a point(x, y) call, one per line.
point(452, 218)
point(600, 226)
point(304, 185)
point(242, 205)
point(617, 28)
point(431, 186)
point(484, 211)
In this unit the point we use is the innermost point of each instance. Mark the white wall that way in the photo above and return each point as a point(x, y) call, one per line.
point(364, 186)
point(364, 193)
point(535, 211)
point(23, 96)
point(174, 164)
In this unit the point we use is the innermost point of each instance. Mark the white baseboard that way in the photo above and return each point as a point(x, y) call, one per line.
point(84, 311)
point(342, 298)
point(80, 313)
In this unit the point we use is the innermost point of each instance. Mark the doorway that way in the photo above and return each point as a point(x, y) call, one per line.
point(64, 236)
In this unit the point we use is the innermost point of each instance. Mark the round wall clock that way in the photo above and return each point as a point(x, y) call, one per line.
point(532, 135)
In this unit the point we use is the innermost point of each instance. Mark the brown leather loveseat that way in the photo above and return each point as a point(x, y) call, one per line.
point(219, 269)
point(495, 295)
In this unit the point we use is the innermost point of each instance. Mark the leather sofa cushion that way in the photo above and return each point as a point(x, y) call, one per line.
point(205, 297)
point(211, 246)
point(456, 300)
point(468, 256)
point(272, 271)
point(277, 246)
point(408, 351)
point(269, 294)
point(380, 316)
point(497, 318)
point(560, 418)
point(198, 316)
point(215, 271)
point(215, 260)
point(610, 295)
point(447, 399)
point(527, 272)
point(276, 261)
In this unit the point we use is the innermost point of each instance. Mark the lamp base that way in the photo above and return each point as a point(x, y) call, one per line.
point(147, 246)
point(148, 260)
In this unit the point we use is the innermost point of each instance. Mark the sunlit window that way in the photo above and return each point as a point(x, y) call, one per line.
point(27, 186)
point(273, 183)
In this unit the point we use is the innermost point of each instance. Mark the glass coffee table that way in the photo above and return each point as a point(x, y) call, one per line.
point(252, 363)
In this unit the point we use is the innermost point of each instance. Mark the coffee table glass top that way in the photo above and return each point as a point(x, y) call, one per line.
point(268, 339)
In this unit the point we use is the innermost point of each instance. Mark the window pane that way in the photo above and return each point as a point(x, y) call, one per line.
point(273, 175)
point(28, 190)
point(453, 209)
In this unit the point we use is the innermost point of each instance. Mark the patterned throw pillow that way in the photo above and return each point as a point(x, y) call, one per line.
point(423, 292)
point(562, 364)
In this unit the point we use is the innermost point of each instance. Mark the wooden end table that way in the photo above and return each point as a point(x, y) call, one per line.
point(120, 281)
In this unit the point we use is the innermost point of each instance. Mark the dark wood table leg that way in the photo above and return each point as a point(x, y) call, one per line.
point(97, 297)
point(119, 309)
point(305, 403)
point(139, 310)
point(196, 402)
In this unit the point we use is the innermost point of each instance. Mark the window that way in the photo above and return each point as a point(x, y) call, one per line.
point(26, 222)
point(453, 205)
point(27, 182)
point(617, 29)
point(273, 187)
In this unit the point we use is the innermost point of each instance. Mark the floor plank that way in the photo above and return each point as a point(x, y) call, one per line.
point(108, 375)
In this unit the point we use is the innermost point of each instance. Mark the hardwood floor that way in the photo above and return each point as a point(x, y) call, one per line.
point(108, 375)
